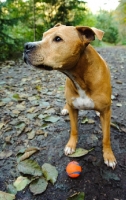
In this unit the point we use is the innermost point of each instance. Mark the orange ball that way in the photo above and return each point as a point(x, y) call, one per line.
point(73, 169)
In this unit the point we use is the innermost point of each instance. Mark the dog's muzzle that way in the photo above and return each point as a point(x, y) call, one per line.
point(28, 48)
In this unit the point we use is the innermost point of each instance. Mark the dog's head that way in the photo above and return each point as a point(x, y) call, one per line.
point(60, 47)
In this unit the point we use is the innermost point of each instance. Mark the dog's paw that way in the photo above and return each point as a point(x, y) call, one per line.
point(109, 159)
point(64, 112)
point(111, 163)
point(68, 150)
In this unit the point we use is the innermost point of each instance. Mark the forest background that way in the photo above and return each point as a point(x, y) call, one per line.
point(26, 20)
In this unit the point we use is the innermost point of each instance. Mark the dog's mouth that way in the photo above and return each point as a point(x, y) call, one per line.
point(41, 66)
point(44, 67)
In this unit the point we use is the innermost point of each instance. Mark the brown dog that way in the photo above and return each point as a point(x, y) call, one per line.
point(67, 49)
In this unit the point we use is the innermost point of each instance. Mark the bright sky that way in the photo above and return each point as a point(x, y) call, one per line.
point(96, 5)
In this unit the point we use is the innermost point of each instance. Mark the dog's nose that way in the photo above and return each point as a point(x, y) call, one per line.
point(29, 46)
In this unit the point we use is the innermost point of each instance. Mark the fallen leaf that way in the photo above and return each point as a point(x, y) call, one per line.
point(21, 107)
point(41, 116)
point(11, 189)
point(6, 196)
point(61, 87)
point(21, 182)
point(32, 98)
point(91, 121)
point(77, 196)
point(113, 124)
point(119, 82)
point(17, 112)
point(30, 167)
point(2, 104)
point(119, 104)
point(8, 139)
point(38, 186)
point(31, 134)
point(28, 153)
point(109, 175)
point(49, 111)
point(38, 87)
point(44, 104)
point(40, 132)
point(50, 172)
point(31, 109)
point(80, 152)
point(52, 119)
point(84, 120)
point(32, 149)
point(5, 154)
point(1, 125)
point(44, 126)
point(16, 97)
point(113, 97)
point(6, 100)
point(31, 115)
point(20, 127)
point(123, 129)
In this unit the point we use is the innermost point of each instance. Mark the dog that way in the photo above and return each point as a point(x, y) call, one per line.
point(88, 84)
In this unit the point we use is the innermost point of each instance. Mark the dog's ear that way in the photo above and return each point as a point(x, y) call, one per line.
point(59, 24)
point(89, 33)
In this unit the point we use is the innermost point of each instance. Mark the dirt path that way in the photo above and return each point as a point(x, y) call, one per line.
point(27, 98)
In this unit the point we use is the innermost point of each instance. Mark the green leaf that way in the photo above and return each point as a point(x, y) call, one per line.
point(109, 175)
point(16, 96)
point(52, 119)
point(20, 127)
point(84, 120)
point(38, 186)
point(50, 172)
point(77, 196)
point(6, 100)
point(6, 196)
point(30, 167)
point(41, 116)
point(61, 88)
point(44, 104)
point(11, 189)
point(44, 126)
point(79, 152)
point(21, 182)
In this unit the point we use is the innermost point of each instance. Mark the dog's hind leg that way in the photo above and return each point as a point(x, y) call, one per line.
point(108, 155)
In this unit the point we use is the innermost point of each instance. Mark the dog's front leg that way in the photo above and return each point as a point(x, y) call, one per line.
point(71, 145)
point(109, 158)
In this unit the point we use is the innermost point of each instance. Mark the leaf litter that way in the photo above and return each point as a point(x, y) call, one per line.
point(49, 98)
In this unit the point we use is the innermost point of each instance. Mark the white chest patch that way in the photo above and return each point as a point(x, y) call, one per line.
point(83, 102)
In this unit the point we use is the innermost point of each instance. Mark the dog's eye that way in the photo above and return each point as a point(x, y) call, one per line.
point(57, 39)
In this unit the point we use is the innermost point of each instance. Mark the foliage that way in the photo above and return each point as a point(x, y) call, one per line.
point(10, 21)
point(106, 22)
point(20, 25)
point(22, 21)
point(120, 15)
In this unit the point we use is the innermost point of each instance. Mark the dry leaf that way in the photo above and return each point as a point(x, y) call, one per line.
point(28, 152)
point(31, 109)
point(1, 125)
point(5, 154)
